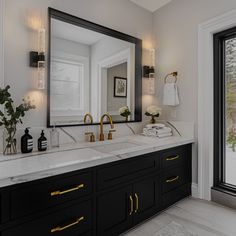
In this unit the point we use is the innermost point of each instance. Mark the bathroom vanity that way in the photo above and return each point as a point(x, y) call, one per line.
point(103, 188)
point(103, 197)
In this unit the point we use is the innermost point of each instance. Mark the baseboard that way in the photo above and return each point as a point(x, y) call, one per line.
point(195, 193)
point(223, 198)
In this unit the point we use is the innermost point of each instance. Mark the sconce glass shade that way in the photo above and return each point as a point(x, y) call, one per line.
point(151, 84)
point(41, 41)
point(41, 58)
point(41, 74)
point(37, 59)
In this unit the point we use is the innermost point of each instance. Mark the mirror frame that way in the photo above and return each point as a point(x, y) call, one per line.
point(59, 15)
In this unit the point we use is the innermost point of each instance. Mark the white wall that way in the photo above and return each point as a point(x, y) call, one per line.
point(2, 15)
point(21, 22)
point(176, 38)
point(69, 47)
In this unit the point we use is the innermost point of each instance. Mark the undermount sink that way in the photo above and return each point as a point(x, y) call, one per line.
point(112, 147)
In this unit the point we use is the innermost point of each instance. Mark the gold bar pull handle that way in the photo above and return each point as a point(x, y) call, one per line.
point(131, 205)
point(62, 228)
point(58, 192)
point(137, 202)
point(172, 179)
point(172, 158)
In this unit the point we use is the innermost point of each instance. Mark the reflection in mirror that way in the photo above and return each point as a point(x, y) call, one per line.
point(90, 72)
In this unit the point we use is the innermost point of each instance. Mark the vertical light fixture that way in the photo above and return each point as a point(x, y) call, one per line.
point(37, 59)
point(41, 59)
point(149, 73)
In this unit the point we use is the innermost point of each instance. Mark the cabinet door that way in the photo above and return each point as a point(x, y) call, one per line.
point(114, 212)
point(146, 196)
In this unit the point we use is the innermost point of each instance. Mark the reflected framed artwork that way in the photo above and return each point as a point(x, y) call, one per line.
point(120, 87)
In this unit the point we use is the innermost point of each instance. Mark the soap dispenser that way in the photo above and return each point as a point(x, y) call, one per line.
point(26, 142)
point(54, 137)
point(42, 142)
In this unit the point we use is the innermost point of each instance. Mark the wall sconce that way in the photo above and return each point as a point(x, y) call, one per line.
point(37, 59)
point(149, 73)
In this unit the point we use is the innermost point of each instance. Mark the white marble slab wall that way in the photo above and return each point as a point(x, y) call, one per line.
point(78, 133)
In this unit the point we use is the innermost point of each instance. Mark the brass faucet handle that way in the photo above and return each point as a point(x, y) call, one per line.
point(91, 136)
point(110, 133)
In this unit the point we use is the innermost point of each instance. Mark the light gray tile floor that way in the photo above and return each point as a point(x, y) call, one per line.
point(199, 217)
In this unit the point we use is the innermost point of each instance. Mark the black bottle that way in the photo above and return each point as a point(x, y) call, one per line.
point(42, 142)
point(26, 142)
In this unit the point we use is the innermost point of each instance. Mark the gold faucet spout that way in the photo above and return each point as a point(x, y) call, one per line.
point(101, 125)
point(88, 115)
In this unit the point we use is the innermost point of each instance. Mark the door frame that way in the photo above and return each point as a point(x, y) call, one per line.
point(219, 182)
point(205, 98)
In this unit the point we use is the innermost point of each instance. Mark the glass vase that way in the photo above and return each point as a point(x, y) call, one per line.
point(9, 140)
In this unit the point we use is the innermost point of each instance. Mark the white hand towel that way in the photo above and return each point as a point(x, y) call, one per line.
point(158, 125)
point(164, 130)
point(149, 132)
point(170, 94)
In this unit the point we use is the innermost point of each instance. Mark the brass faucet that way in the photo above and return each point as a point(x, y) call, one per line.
point(91, 134)
point(102, 137)
point(90, 117)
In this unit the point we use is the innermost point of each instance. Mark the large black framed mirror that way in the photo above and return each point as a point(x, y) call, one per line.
point(91, 69)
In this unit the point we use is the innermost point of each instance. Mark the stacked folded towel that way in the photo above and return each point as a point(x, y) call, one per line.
point(157, 130)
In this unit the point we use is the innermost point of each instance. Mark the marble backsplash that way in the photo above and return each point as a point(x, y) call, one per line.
point(78, 133)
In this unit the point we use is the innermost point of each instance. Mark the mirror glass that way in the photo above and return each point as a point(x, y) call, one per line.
point(90, 72)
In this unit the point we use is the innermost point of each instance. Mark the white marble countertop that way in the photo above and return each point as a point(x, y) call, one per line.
point(23, 168)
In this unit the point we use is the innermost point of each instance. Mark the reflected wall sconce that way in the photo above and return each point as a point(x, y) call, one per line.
point(37, 59)
point(149, 73)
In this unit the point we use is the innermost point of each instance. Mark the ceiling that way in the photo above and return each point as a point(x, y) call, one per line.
point(151, 5)
point(74, 33)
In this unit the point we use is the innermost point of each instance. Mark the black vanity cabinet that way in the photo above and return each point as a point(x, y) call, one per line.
point(74, 220)
point(120, 209)
point(105, 200)
point(114, 211)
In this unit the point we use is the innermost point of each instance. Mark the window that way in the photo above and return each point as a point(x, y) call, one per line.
point(225, 110)
point(67, 91)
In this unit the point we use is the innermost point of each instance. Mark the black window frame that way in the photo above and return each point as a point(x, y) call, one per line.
point(219, 111)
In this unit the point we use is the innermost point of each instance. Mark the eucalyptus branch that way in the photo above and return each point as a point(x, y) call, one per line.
point(11, 115)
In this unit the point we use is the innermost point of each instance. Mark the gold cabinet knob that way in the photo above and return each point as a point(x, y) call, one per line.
point(131, 205)
point(137, 202)
point(172, 158)
point(172, 179)
point(62, 228)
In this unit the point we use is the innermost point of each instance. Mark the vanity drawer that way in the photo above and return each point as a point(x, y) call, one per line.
point(174, 156)
point(127, 170)
point(173, 178)
point(71, 221)
point(38, 197)
point(173, 196)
